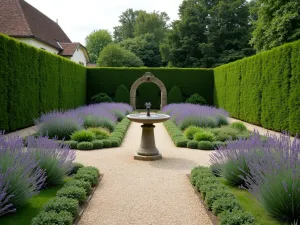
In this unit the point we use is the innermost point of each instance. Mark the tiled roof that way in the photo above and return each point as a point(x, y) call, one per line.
point(69, 48)
point(20, 19)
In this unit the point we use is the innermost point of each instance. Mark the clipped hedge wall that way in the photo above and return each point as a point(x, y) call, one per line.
point(263, 89)
point(189, 81)
point(33, 81)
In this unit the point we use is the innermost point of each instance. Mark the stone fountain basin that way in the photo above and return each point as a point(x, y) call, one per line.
point(153, 118)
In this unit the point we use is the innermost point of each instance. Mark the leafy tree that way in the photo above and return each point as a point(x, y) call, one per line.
point(146, 48)
point(209, 33)
point(113, 55)
point(154, 23)
point(96, 41)
point(126, 29)
point(278, 22)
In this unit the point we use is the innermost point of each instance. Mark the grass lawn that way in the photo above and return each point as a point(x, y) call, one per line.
point(25, 214)
point(249, 203)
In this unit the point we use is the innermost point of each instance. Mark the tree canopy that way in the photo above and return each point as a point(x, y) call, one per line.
point(113, 55)
point(96, 41)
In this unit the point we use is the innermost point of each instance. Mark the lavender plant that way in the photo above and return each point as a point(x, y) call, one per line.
point(20, 175)
point(54, 158)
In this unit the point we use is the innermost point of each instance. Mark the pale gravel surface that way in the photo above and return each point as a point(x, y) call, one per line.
point(138, 192)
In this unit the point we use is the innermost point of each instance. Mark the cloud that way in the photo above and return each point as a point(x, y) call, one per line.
point(78, 18)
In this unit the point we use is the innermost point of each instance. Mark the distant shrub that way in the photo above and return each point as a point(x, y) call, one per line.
point(101, 133)
point(239, 125)
point(196, 99)
point(59, 127)
point(225, 133)
point(181, 142)
point(197, 121)
point(122, 94)
point(59, 204)
point(97, 144)
point(72, 144)
point(204, 136)
point(85, 146)
point(73, 192)
point(192, 144)
point(191, 131)
point(221, 120)
point(97, 121)
point(101, 97)
point(83, 136)
point(175, 95)
point(205, 145)
point(46, 218)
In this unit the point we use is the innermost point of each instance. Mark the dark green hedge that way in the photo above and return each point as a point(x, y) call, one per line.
point(33, 81)
point(263, 89)
point(189, 81)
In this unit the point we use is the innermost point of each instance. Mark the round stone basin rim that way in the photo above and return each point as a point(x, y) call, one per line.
point(143, 118)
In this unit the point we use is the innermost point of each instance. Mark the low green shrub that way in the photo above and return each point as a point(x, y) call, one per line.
point(218, 144)
point(80, 183)
point(97, 121)
point(106, 143)
point(192, 144)
point(53, 218)
point(225, 133)
point(100, 132)
point(74, 192)
point(181, 142)
point(89, 174)
point(239, 125)
point(198, 121)
point(114, 142)
point(72, 144)
point(191, 131)
point(207, 188)
point(236, 217)
point(221, 120)
point(101, 97)
point(85, 146)
point(196, 99)
point(204, 136)
point(244, 135)
point(83, 136)
point(75, 167)
point(225, 204)
point(119, 115)
point(97, 144)
point(205, 145)
point(90, 169)
point(59, 204)
point(212, 196)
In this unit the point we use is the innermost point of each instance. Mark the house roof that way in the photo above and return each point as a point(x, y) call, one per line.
point(20, 19)
point(68, 48)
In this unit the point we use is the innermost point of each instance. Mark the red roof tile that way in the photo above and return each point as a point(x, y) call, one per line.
point(69, 48)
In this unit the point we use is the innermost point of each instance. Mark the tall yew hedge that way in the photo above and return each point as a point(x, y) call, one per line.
point(190, 81)
point(33, 81)
point(263, 89)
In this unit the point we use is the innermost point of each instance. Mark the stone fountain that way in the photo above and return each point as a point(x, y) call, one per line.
point(147, 150)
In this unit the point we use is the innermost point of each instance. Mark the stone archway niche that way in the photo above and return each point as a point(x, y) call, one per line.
point(148, 78)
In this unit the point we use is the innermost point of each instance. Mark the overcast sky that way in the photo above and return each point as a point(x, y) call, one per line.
point(78, 18)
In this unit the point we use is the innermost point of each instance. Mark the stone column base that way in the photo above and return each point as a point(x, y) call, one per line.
point(147, 158)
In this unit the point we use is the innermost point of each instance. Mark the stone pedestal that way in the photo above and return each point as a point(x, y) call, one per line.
point(147, 150)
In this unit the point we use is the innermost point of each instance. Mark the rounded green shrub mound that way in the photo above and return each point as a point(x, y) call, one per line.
point(196, 99)
point(60, 128)
point(80, 183)
point(218, 144)
point(101, 97)
point(192, 144)
point(86, 177)
point(85, 146)
point(73, 192)
point(205, 145)
point(72, 144)
point(236, 217)
point(191, 131)
point(175, 95)
point(59, 204)
point(97, 144)
point(181, 142)
point(225, 204)
point(204, 136)
point(122, 94)
point(225, 133)
point(238, 125)
point(96, 121)
point(75, 167)
point(100, 132)
point(106, 143)
point(83, 135)
point(114, 142)
point(46, 218)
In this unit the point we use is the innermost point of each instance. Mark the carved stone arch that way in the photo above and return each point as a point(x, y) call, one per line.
point(148, 78)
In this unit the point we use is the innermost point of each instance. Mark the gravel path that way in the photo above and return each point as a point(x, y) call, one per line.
point(139, 192)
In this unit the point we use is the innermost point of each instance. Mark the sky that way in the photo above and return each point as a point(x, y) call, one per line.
point(78, 18)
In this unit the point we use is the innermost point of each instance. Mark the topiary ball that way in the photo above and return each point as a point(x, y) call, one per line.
point(106, 143)
point(85, 146)
point(192, 144)
point(196, 99)
point(205, 145)
point(97, 144)
point(83, 135)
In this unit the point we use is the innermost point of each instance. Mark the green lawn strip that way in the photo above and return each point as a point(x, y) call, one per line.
point(25, 214)
point(250, 204)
